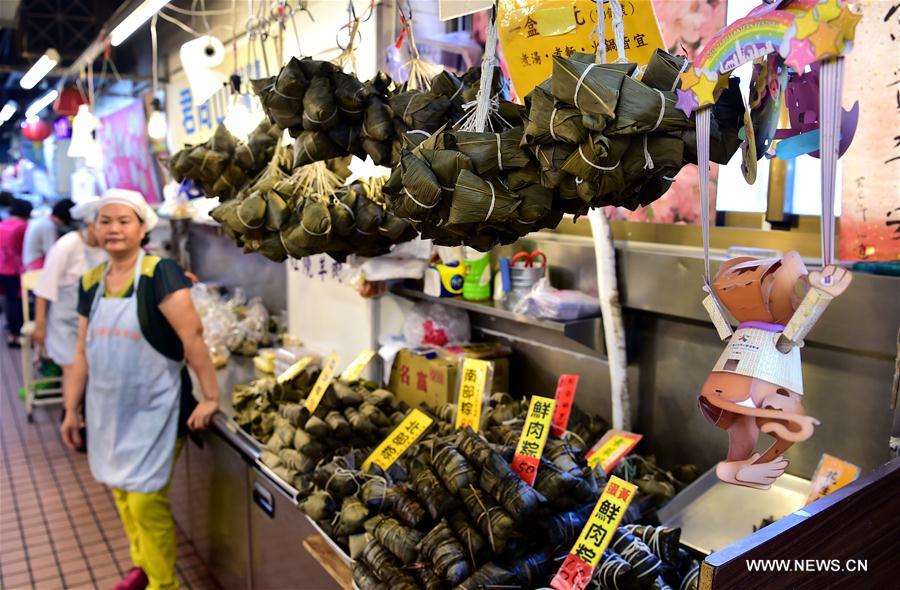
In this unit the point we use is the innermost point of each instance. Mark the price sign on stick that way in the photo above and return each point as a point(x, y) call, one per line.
point(612, 448)
point(322, 383)
point(294, 370)
point(399, 440)
point(533, 439)
point(831, 474)
point(359, 364)
point(473, 392)
point(578, 567)
point(565, 394)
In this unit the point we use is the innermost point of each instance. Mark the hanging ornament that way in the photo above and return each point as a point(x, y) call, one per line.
point(83, 144)
point(36, 130)
point(68, 101)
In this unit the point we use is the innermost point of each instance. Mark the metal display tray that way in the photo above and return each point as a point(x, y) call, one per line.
point(712, 515)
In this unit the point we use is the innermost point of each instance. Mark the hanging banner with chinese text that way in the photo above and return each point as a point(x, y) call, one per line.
point(533, 31)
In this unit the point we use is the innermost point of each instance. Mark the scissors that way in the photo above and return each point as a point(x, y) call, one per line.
point(529, 258)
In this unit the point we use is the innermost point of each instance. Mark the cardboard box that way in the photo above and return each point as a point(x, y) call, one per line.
point(430, 375)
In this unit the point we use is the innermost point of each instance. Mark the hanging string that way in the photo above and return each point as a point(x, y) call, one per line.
point(154, 56)
point(703, 123)
point(483, 106)
point(831, 82)
point(618, 25)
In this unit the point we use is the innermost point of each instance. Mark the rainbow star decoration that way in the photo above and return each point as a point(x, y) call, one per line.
point(801, 55)
point(828, 10)
point(827, 40)
point(847, 22)
point(687, 102)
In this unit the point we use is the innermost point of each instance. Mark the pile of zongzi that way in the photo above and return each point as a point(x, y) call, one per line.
point(223, 166)
point(601, 136)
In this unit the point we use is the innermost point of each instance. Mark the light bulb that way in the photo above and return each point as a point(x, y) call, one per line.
point(241, 121)
point(157, 126)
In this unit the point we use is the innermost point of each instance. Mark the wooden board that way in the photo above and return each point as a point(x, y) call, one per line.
point(329, 560)
point(855, 525)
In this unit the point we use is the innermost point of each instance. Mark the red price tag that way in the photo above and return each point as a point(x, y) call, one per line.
point(565, 394)
point(574, 574)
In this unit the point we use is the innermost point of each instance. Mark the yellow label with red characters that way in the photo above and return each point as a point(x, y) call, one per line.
point(611, 449)
point(321, 385)
point(578, 567)
point(399, 440)
point(533, 31)
point(831, 474)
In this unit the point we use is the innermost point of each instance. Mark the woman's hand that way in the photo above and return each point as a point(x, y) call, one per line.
point(39, 334)
point(202, 415)
point(70, 429)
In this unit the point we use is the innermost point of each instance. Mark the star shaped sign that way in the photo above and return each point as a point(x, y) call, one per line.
point(705, 89)
point(828, 10)
point(689, 78)
point(827, 40)
point(847, 22)
point(687, 102)
point(806, 24)
point(801, 55)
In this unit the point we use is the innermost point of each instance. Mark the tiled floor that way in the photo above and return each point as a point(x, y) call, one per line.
point(58, 527)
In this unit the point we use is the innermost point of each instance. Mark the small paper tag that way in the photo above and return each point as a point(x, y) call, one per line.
point(294, 370)
point(717, 317)
point(473, 393)
point(353, 372)
point(808, 313)
point(578, 567)
point(565, 393)
point(321, 385)
point(400, 439)
point(831, 474)
point(534, 437)
point(612, 448)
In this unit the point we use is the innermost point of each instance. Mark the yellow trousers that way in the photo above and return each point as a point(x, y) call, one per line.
point(148, 523)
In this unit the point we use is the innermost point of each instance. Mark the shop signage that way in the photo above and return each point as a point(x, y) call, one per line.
point(611, 449)
point(474, 391)
point(401, 438)
point(578, 567)
point(322, 383)
point(534, 436)
point(565, 395)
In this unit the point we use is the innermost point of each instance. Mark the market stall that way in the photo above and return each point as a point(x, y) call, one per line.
point(468, 317)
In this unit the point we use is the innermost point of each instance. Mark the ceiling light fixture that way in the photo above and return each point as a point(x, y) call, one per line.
point(35, 108)
point(133, 21)
point(8, 110)
point(41, 68)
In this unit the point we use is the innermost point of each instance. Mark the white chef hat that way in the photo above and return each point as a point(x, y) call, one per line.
point(129, 198)
point(85, 209)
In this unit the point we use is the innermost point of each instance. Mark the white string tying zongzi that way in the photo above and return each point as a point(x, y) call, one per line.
point(648, 161)
point(493, 200)
point(339, 202)
point(684, 68)
point(483, 106)
point(580, 82)
point(499, 153)
point(316, 234)
point(552, 118)
point(597, 166)
point(322, 122)
point(417, 202)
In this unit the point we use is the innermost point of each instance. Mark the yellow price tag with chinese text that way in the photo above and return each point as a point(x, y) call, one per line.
point(473, 392)
point(534, 437)
point(400, 439)
point(322, 383)
point(294, 370)
point(533, 31)
point(578, 567)
point(612, 448)
point(353, 372)
point(831, 474)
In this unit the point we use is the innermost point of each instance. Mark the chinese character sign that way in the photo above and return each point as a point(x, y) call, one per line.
point(474, 390)
point(534, 437)
point(356, 368)
point(831, 474)
point(611, 449)
point(565, 394)
point(322, 382)
point(578, 567)
point(400, 439)
point(533, 31)
point(127, 161)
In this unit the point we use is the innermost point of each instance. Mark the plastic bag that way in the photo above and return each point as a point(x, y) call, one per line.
point(432, 324)
point(218, 321)
point(544, 301)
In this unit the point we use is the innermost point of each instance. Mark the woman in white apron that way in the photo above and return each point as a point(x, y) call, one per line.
point(137, 326)
point(56, 329)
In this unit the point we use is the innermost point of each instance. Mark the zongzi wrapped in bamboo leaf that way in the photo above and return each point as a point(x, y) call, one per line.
point(319, 106)
point(446, 554)
point(591, 88)
point(476, 200)
point(421, 190)
point(402, 541)
point(378, 123)
point(550, 122)
point(495, 523)
point(318, 506)
point(453, 469)
point(312, 146)
point(491, 153)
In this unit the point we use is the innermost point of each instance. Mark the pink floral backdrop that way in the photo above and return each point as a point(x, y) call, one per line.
point(127, 161)
point(686, 26)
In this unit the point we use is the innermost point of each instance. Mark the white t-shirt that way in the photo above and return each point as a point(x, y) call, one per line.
point(68, 259)
point(39, 237)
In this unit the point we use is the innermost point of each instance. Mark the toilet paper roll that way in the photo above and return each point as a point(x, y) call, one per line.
point(199, 58)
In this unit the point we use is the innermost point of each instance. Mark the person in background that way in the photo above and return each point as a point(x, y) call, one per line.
point(12, 236)
point(43, 232)
point(136, 329)
point(70, 257)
